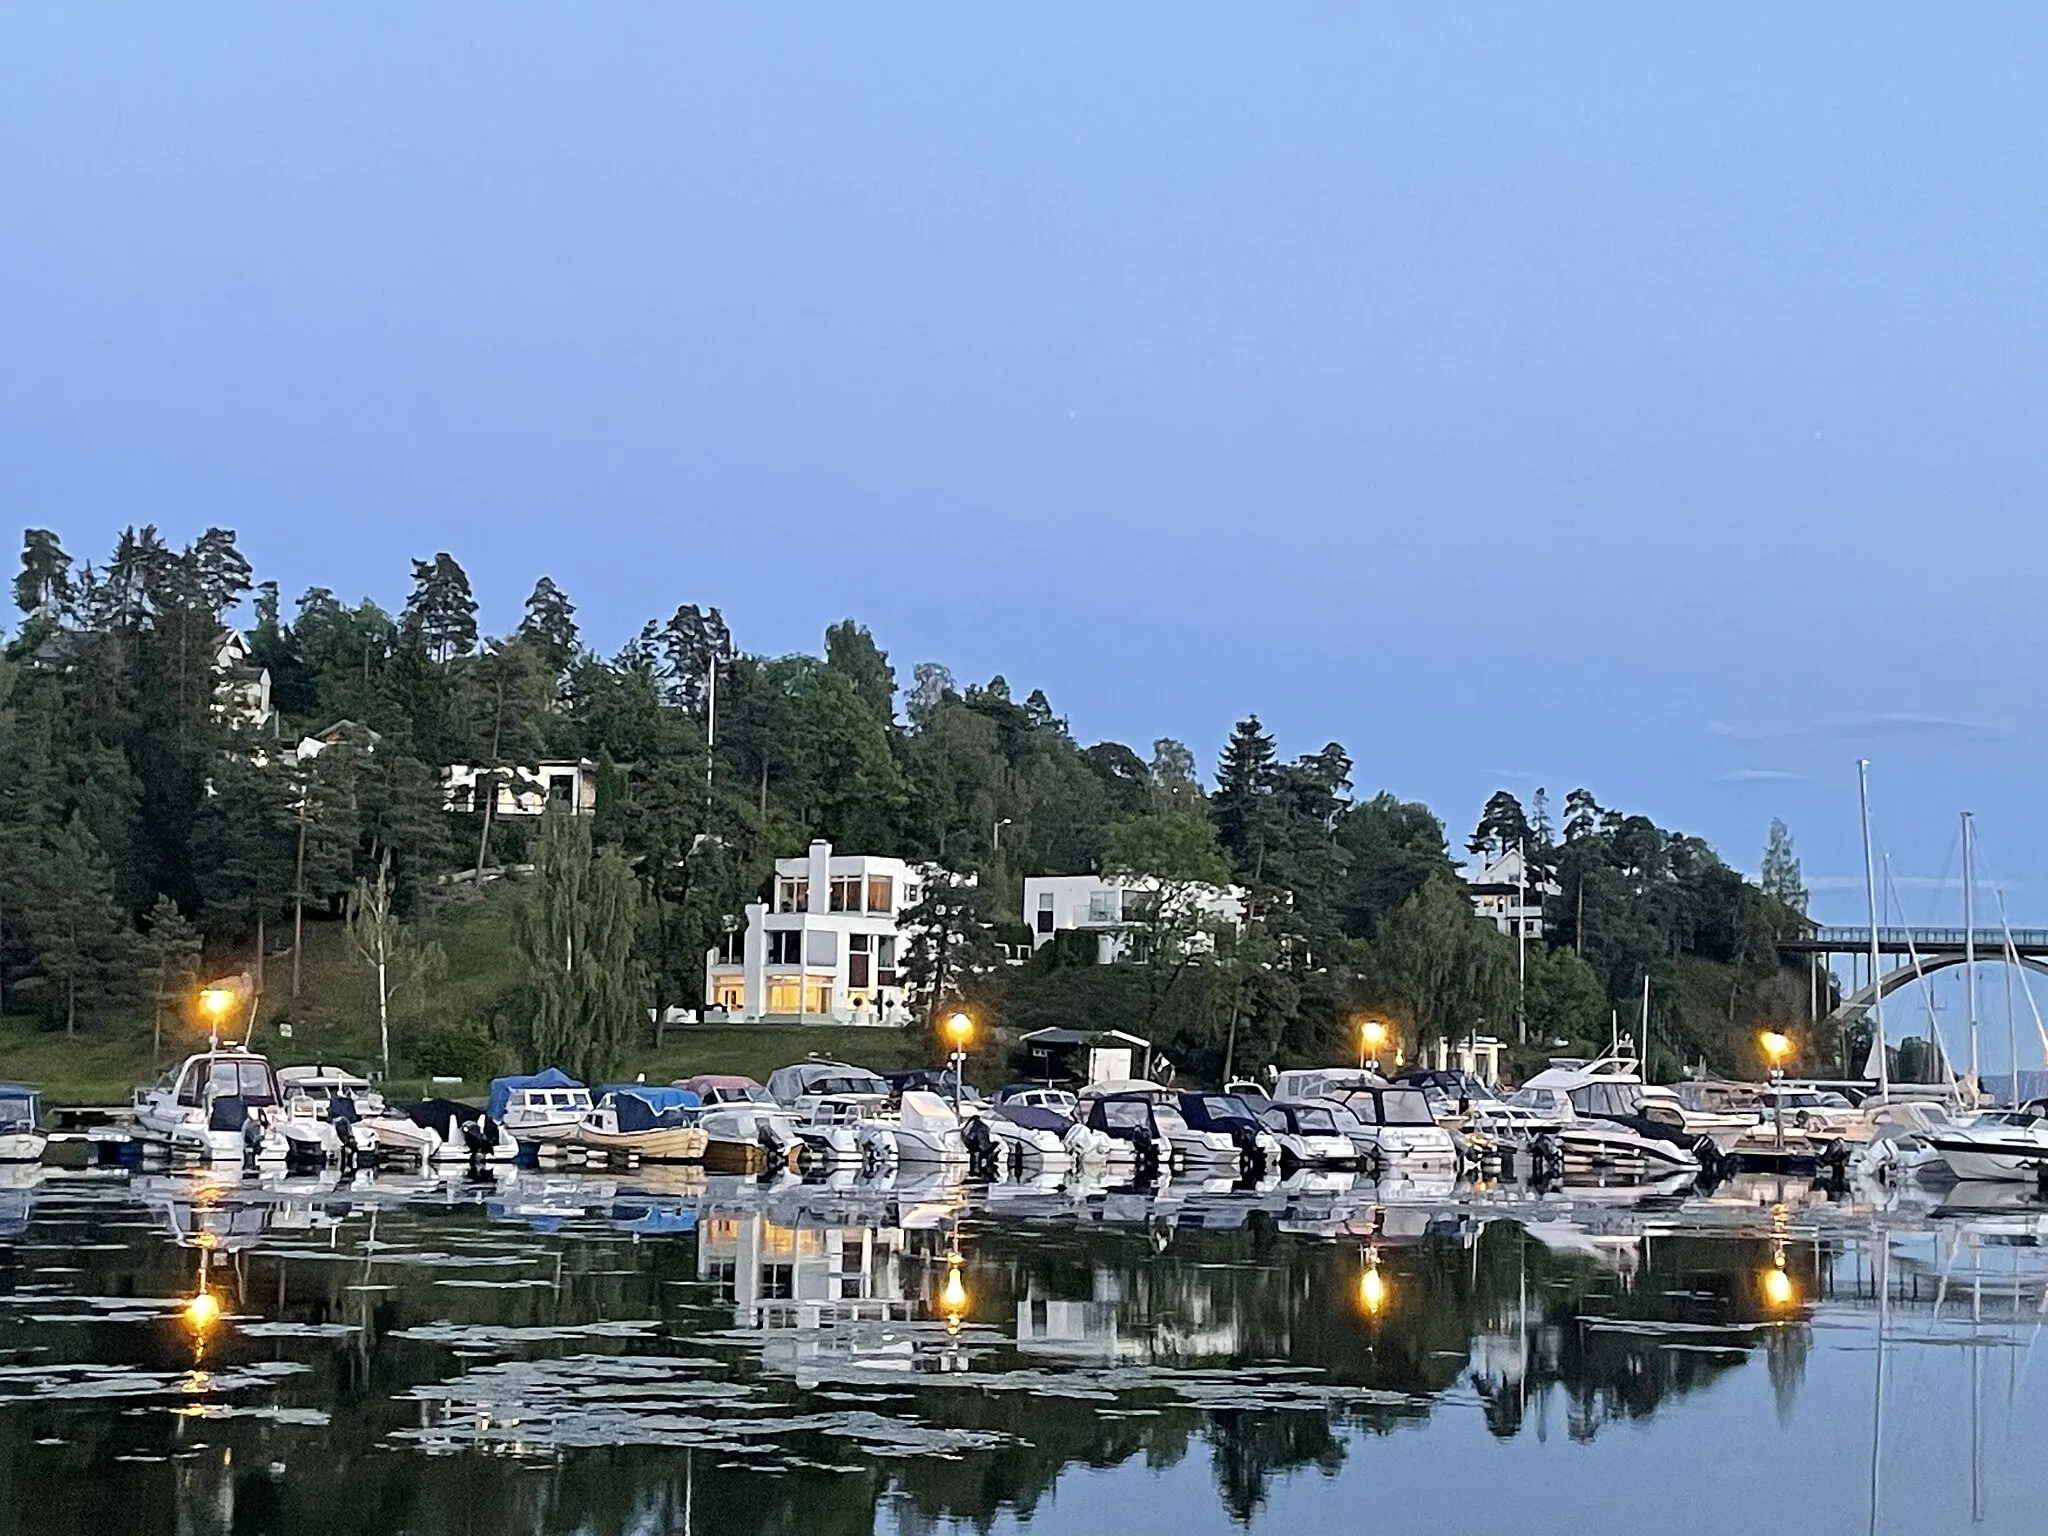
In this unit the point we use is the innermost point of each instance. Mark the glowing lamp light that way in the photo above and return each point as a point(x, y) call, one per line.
point(1373, 1033)
point(216, 1001)
point(1776, 1044)
point(202, 1312)
point(1372, 1287)
point(1779, 1291)
point(953, 1295)
point(959, 1030)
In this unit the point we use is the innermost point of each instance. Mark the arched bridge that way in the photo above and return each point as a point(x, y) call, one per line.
point(1924, 951)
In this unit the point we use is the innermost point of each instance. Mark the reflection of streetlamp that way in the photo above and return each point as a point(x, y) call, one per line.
point(202, 1312)
point(1372, 1285)
point(1777, 1045)
point(959, 1030)
point(1371, 1035)
point(1780, 1292)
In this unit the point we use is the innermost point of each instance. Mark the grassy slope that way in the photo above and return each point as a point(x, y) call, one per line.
point(334, 1019)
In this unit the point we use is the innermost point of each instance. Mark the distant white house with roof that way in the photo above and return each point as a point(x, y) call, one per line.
point(566, 784)
point(1116, 910)
point(1509, 893)
point(826, 947)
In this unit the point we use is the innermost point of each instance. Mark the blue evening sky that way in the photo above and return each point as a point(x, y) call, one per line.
point(1649, 398)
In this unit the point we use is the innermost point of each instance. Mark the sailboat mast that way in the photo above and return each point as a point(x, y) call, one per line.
point(1970, 936)
point(1884, 1071)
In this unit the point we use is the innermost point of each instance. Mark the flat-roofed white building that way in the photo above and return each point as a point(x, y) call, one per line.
point(826, 947)
point(521, 791)
point(1114, 910)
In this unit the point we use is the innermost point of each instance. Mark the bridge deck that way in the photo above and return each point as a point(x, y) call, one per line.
point(1924, 941)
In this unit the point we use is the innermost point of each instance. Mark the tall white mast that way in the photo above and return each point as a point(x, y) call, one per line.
point(1884, 1071)
point(1521, 942)
point(1970, 936)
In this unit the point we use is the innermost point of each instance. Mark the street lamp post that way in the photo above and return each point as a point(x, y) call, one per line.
point(959, 1030)
point(214, 1002)
point(1776, 1047)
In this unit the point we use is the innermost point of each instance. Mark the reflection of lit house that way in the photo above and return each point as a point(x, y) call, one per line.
point(1199, 1323)
point(825, 947)
point(523, 791)
point(1113, 910)
point(1506, 893)
point(803, 1277)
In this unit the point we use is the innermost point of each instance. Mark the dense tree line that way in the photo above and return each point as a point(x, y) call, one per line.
point(145, 810)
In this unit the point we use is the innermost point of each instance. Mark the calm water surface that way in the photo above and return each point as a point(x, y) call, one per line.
point(561, 1352)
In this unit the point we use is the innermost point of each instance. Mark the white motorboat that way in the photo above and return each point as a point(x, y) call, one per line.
point(844, 1132)
point(926, 1130)
point(801, 1086)
point(222, 1105)
point(745, 1130)
point(1308, 1135)
point(1596, 1110)
point(1026, 1141)
point(1398, 1129)
point(21, 1137)
point(1217, 1133)
point(1898, 1151)
point(541, 1110)
point(324, 1108)
point(1726, 1113)
point(1996, 1144)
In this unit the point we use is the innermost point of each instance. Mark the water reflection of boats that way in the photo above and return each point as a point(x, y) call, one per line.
point(18, 1184)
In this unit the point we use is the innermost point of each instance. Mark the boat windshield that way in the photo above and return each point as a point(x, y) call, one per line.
point(2016, 1117)
point(1404, 1106)
point(1126, 1115)
point(1314, 1120)
point(1219, 1107)
point(247, 1079)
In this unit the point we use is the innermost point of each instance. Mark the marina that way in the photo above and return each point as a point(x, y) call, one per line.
point(907, 1350)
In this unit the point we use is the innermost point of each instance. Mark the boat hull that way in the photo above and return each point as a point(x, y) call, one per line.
point(666, 1144)
point(22, 1146)
point(1990, 1158)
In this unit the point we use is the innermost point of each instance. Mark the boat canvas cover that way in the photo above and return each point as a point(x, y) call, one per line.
point(1035, 1117)
point(436, 1114)
point(809, 1078)
point(17, 1107)
point(928, 1112)
point(1127, 1088)
point(1215, 1112)
point(502, 1088)
point(1324, 1082)
point(643, 1108)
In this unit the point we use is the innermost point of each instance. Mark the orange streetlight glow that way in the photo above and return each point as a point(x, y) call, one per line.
point(1777, 1045)
point(959, 1030)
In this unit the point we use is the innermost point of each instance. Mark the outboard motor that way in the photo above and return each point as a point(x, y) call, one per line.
point(983, 1156)
point(480, 1136)
point(1546, 1156)
point(1251, 1157)
point(1146, 1165)
point(1834, 1165)
point(252, 1138)
point(345, 1133)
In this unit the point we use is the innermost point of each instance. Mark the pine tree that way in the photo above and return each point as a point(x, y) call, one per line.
point(443, 607)
point(1781, 880)
point(171, 950)
point(549, 625)
point(44, 585)
point(1502, 825)
point(1243, 802)
point(84, 946)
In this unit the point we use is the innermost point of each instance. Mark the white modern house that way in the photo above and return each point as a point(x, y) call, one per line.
point(1508, 893)
point(825, 949)
point(521, 791)
point(241, 688)
point(1113, 909)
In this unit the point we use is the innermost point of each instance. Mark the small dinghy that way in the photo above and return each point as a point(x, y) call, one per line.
point(21, 1141)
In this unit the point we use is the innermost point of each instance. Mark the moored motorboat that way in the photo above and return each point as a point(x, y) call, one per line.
point(1397, 1126)
point(21, 1136)
point(1996, 1144)
point(640, 1120)
point(745, 1130)
point(543, 1109)
point(1219, 1132)
point(221, 1105)
point(926, 1130)
point(1308, 1135)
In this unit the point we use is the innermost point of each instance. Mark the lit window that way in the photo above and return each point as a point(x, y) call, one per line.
point(821, 995)
point(782, 996)
point(881, 893)
point(846, 893)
